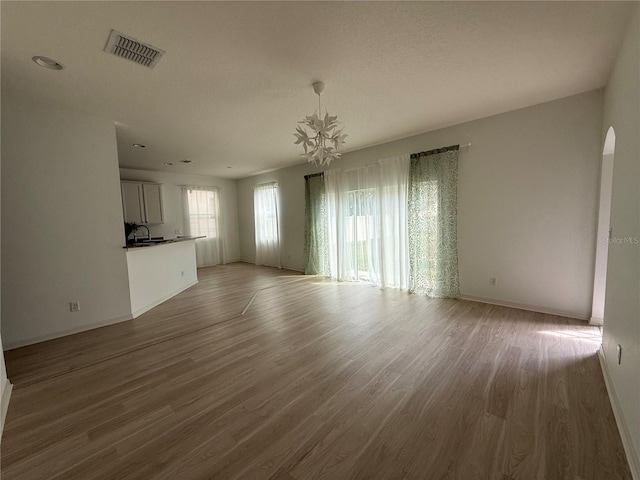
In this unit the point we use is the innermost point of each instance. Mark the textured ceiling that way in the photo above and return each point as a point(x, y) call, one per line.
point(236, 76)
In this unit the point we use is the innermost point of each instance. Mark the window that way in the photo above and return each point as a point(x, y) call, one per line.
point(201, 214)
point(393, 224)
point(366, 223)
point(360, 233)
point(265, 208)
point(204, 211)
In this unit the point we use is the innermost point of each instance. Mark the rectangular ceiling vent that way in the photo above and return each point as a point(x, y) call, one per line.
point(129, 48)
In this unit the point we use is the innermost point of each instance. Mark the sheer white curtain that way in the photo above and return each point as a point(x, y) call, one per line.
point(394, 236)
point(265, 211)
point(352, 229)
point(367, 223)
point(202, 216)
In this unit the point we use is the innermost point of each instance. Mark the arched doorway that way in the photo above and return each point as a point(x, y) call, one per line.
point(604, 229)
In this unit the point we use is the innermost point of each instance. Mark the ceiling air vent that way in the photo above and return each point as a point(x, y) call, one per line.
point(131, 49)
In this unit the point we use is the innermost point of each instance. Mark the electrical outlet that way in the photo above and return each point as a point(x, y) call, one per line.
point(493, 281)
point(177, 232)
point(619, 349)
point(74, 306)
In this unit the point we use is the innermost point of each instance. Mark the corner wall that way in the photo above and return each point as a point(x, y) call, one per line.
point(5, 385)
point(5, 391)
point(62, 225)
point(622, 299)
point(527, 203)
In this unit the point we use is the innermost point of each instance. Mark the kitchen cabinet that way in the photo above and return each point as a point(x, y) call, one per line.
point(142, 202)
point(152, 196)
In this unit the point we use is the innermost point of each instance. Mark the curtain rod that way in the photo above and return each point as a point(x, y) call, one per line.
point(464, 145)
point(321, 174)
point(200, 187)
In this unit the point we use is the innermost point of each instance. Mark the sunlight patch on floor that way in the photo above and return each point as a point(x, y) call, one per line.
point(593, 335)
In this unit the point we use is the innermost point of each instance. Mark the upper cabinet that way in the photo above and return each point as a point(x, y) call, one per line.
point(142, 202)
point(132, 202)
point(152, 196)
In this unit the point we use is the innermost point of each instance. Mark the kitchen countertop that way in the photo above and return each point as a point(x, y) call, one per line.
point(157, 243)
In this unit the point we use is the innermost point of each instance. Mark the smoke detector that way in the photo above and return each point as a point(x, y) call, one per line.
point(134, 50)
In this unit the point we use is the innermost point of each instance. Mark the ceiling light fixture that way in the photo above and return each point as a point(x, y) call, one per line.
point(322, 144)
point(185, 161)
point(47, 62)
point(139, 145)
point(168, 163)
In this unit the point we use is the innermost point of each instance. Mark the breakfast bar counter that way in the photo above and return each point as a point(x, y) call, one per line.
point(157, 274)
point(154, 242)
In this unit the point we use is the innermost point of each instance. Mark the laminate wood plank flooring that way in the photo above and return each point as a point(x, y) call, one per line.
point(317, 379)
point(217, 298)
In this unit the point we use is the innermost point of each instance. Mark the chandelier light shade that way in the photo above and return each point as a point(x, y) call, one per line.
point(322, 144)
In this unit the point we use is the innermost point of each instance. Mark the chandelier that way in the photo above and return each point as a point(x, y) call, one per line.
point(322, 143)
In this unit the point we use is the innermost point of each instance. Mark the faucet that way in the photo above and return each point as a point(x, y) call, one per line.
point(135, 234)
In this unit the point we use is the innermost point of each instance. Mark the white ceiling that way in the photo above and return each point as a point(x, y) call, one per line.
point(236, 76)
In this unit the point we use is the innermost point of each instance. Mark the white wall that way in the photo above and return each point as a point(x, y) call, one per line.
point(172, 202)
point(62, 225)
point(622, 300)
point(527, 203)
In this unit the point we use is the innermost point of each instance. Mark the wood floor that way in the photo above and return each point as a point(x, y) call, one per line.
point(316, 380)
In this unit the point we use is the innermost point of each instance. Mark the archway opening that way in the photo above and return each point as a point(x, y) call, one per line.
point(604, 229)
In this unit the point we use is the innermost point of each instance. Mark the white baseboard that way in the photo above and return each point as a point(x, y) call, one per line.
point(283, 267)
point(627, 442)
point(163, 299)
point(524, 306)
point(293, 269)
point(4, 406)
point(22, 343)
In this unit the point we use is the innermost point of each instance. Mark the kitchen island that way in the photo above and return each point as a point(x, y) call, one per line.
point(159, 270)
